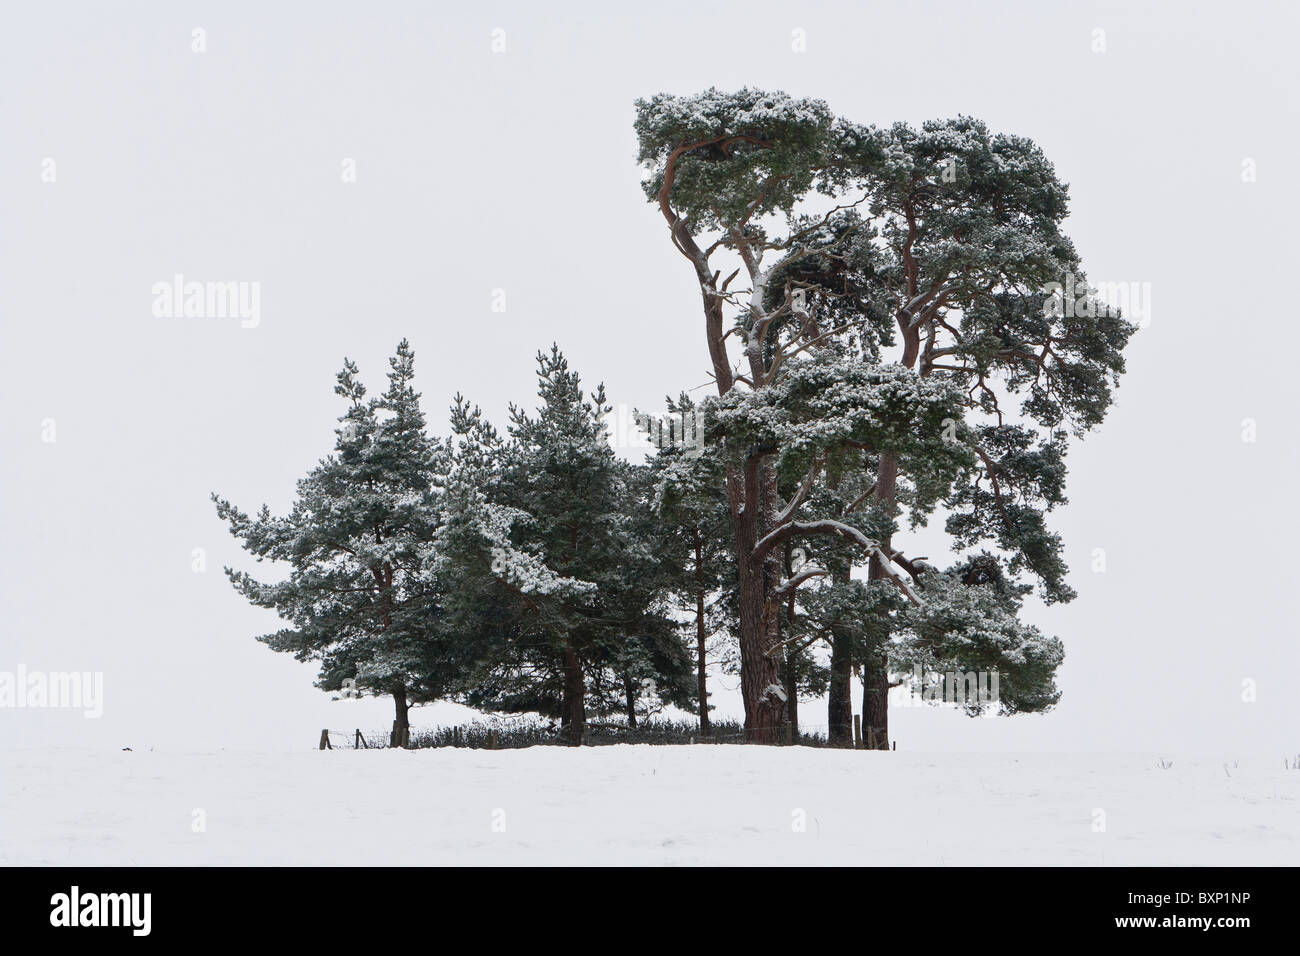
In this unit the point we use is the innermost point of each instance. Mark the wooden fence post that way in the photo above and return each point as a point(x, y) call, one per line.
point(789, 733)
point(325, 740)
point(857, 731)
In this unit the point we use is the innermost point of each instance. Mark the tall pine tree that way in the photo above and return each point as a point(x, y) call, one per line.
point(944, 243)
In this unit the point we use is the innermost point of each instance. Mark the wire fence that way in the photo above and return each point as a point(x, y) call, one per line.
point(513, 735)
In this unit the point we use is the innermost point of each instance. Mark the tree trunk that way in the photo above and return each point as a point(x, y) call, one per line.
point(839, 709)
point(574, 706)
point(629, 692)
point(839, 698)
point(791, 656)
point(792, 683)
point(760, 682)
point(401, 725)
point(875, 702)
point(875, 668)
point(700, 635)
point(760, 676)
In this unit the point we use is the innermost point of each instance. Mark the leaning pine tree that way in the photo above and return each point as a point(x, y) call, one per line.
point(849, 241)
point(361, 595)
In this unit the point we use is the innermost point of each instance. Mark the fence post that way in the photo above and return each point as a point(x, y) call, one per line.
point(857, 731)
point(325, 740)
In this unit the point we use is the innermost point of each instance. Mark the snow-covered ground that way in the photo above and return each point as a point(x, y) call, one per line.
point(643, 805)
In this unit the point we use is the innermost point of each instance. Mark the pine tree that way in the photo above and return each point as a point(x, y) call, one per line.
point(963, 253)
point(690, 506)
point(944, 242)
point(360, 541)
point(655, 659)
point(570, 608)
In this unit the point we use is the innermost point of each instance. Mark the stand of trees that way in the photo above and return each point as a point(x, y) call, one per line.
point(892, 347)
point(519, 573)
point(893, 351)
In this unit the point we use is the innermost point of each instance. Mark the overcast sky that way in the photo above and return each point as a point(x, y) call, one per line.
point(478, 171)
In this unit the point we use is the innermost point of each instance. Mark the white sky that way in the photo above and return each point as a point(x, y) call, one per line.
point(479, 171)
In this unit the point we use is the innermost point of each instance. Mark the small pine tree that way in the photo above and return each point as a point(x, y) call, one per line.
point(361, 544)
point(568, 617)
point(689, 501)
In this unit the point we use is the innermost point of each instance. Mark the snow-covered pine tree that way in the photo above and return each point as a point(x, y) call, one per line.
point(688, 499)
point(567, 602)
point(728, 171)
point(497, 590)
point(651, 666)
point(944, 239)
point(361, 596)
point(962, 249)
